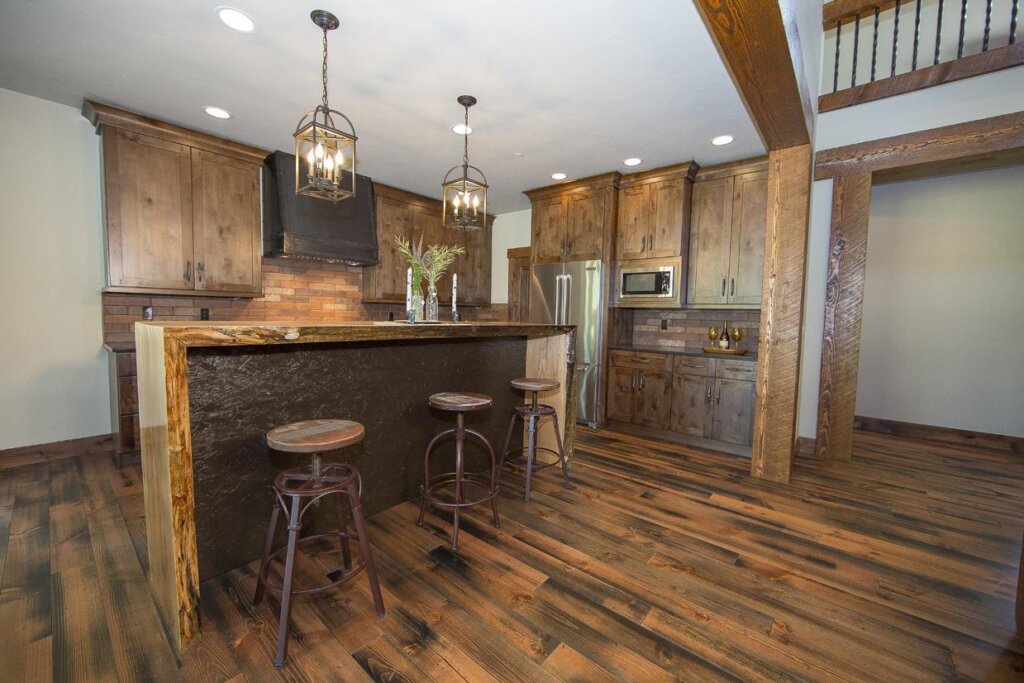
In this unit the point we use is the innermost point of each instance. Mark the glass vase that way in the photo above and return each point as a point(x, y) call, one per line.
point(416, 310)
point(431, 305)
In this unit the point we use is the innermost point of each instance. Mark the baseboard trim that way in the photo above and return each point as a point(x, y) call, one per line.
point(101, 444)
point(947, 435)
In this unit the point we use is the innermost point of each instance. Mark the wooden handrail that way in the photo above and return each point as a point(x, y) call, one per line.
point(843, 10)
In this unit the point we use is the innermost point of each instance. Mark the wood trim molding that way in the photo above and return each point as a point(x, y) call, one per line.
point(101, 444)
point(583, 184)
point(947, 435)
point(688, 169)
point(759, 52)
point(844, 298)
point(1005, 57)
point(928, 152)
point(782, 296)
point(518, 252)
point(106, 115)
point(732, 168)
point(398, 194)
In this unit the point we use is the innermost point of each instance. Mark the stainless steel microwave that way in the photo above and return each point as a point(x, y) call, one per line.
point(649, 283)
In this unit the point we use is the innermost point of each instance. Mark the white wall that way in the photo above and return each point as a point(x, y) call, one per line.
point(975, 98)
point(510, 230)
point(53, 370)
point(943, 305)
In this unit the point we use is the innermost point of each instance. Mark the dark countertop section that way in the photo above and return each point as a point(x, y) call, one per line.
point(752, 357)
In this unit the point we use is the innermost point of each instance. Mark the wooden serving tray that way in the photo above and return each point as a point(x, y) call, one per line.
point(727, 352)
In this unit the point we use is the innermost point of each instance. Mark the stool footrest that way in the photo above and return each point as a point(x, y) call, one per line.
point(346, 575)
point(442, 481)
point(537, 465)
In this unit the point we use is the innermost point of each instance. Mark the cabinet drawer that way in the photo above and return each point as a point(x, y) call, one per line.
point(642, 360)
point(126, 364)
point(737, 369)
point(128, 435)
point(127, 396)
point(695, 365)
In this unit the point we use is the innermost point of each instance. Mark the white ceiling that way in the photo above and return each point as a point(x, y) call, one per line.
point(575, 85)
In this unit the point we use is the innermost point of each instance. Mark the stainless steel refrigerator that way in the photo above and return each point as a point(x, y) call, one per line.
point(573, 294)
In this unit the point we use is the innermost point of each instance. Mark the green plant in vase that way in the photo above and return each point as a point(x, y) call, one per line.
point(429, 265)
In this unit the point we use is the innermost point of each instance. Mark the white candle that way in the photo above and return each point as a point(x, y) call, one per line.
point(455, 290)
point(408, 290)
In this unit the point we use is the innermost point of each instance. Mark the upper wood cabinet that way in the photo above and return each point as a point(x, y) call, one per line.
point(727, 224)
point(412, 216)
point(574, 221)
point(182, 208)
point(654, 213)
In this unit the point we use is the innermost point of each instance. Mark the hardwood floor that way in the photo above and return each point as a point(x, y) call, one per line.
point(664, 562)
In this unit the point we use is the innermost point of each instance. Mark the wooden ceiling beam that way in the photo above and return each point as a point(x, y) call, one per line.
point(759, 52)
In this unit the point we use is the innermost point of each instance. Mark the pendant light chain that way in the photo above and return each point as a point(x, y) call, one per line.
point(465, 140)
point(325, 69)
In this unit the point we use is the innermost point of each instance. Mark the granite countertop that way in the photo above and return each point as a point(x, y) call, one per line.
point(752, 357)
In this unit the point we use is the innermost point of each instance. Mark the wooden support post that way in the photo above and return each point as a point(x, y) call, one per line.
point(778, 369)
point(1020, 591)
point(844, 298)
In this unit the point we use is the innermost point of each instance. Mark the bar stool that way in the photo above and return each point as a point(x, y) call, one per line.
point(305, 487)
point(531, 414)
point(460, 404)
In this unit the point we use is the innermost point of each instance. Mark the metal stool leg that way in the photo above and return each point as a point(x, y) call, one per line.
point(561, 452)
point(268, 547)
point(426, 473)
point(530, 453)
point(364, 548)
point(494, 475)
point(460, 444)
point(346, 553)
point(508, 439)
point(294, 526)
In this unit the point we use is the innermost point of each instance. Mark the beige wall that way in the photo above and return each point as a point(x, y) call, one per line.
point(53, 372)
point(510, 230)
point(968, 100)
point(941, 338)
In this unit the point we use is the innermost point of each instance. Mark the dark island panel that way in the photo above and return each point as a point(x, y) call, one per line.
point(236, 395)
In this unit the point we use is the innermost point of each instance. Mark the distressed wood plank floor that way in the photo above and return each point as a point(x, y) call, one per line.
point(663, 563)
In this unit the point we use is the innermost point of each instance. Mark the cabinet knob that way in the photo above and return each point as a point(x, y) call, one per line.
point(723, 286)
point(188, 271)
point(718, 398)
point(732, 286)
point(199, 271)
point(632, 384)
point(707, 395)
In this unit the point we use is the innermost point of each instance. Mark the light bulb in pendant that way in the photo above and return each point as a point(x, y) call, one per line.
point(319, 150)
point(329, 165)
point(339, 159)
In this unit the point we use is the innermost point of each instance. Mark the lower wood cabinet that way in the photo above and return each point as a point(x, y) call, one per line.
point(692, 395)
point(124, 403)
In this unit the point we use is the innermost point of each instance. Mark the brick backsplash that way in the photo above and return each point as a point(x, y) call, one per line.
point(293, 290)
point(688, 329)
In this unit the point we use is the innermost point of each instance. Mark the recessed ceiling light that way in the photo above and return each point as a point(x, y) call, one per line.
point(217, 112)
point(236, 19)
point(462, 129)
point(517, 154)
point(558, 176)
point(721, 140)
point(633, 161)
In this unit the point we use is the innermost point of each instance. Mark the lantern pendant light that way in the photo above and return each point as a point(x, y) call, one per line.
point(465, 195)
point(325, 154)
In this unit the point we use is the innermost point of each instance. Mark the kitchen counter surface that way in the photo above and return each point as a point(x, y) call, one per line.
point(210, 391)
point(752, 357)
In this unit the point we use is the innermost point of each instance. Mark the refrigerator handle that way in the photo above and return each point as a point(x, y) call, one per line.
point(558, 299)
point(567, 303)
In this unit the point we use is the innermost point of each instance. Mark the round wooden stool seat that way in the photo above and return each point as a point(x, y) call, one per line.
point(315, 436)
point(460, 402)
point(534, 384)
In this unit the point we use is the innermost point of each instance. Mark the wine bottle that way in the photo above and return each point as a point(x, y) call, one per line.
point(723, 342)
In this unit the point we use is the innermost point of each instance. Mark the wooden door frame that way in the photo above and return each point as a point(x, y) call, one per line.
point(975, 145)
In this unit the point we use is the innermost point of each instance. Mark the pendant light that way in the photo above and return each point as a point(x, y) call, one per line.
point(325, 155)
point(465, 195)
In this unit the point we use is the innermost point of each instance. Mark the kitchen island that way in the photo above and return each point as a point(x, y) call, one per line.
point(209, 391)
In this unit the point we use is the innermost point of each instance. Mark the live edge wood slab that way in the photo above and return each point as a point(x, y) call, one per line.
point(208, 392)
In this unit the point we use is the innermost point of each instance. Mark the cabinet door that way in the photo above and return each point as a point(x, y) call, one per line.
point(549, 226)
point(478, 266)
point(148, 186)
point(710, 241)
point(667, 219)
point(750, 202)
point(734, 411)
point(634, 222)
point(388, 277)
point(586, 223)
point(226, 223)
point(691, 403)
point(621, 388)
point(519, 289)
point(654, 407)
